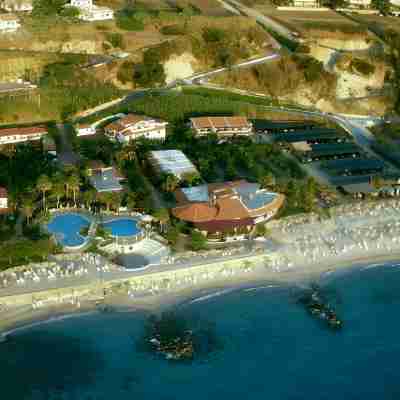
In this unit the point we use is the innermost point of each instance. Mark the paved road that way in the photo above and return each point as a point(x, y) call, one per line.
point(67, 156)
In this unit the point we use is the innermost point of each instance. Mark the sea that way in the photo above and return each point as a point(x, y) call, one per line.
point(269, 348)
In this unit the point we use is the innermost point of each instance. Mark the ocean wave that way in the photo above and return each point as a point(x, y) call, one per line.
point(260, 288)
point(212, 295)
point(47, 321)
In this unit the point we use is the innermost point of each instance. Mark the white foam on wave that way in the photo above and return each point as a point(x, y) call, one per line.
point(259, 288)
point(374, 266)
point(48, 321)
point(211, 295)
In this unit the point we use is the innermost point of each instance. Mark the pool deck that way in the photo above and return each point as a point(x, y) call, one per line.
point(94, 220)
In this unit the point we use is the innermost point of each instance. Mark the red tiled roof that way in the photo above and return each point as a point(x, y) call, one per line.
point(230, 209)
point(220, 122)
point(28, 130)
point(132, 119)
point(223, 226)
point(196, 212)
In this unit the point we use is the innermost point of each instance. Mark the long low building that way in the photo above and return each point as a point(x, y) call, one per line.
point(226, 208)
point(312, 136)
point(171, 162)
point(222, 126)
point(264, 126)
point(22, 134)
point(134, 126)
point(356, 166)
point(320, 152)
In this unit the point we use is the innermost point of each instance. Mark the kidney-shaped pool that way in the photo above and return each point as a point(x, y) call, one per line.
point(122, 227)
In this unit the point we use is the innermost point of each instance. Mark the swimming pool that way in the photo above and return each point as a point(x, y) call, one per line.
point(122, 227)
point(66, 228)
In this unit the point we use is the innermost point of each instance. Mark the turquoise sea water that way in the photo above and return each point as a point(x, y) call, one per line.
point(271, 349)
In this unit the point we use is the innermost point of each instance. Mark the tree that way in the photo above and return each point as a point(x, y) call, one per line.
point(74, 184)
point(47, 8)
point(89, 196)
point(191, 178)
point(116, 200)
point(44, 184)
point(162, 216)
point(170, 183)
point(27, 208)
point(382, 5)
point(131, 200)
point(107, 198)
point(198, 241)
point(267, 181)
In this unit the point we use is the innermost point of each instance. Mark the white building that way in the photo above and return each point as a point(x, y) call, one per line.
point(222, 126)
point(360, 3)
point(9, 23)
point(171, 162)
point(23, 134)
point(16, 5)
point(133, 126)
point(306, 3)
point(90, 12)
point(85, 130)
point(3, 199)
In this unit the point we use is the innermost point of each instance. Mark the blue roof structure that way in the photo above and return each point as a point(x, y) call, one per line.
point(253, 197)
point(196, 193)
point(105, 181)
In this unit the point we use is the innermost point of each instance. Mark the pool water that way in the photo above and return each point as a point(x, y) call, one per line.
point(122, 227)
point(66, 228)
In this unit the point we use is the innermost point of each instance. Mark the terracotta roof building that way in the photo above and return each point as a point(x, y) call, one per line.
point(226, 207)
point(222, 126)
point(22, 134)
point(134, 126)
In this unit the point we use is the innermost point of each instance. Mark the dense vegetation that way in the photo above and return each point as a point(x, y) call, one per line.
point(283, 77)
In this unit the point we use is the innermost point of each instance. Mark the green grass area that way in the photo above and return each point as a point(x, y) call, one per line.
point(20, 252)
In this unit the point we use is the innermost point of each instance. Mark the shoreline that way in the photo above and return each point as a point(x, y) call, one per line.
point(27, 318)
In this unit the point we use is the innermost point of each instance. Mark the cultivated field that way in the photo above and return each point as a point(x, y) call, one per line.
point(315, 24)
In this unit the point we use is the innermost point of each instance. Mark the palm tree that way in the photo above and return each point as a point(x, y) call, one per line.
point(131, 200)
point(44, 184)
point(162, 216)
point(74, 183)
point(170, 183)
point(116, 200)
point(107, 198)
point(89, 197)
point(27, 208)
point(267, 181)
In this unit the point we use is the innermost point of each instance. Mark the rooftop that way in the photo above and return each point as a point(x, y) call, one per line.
point(27, 130)
point(311, 134)
point(8, 17)
point(333, 149)
point(263, 124)
point(106, 181)
point(355, 164)
point(171, 162)
point(219, 122)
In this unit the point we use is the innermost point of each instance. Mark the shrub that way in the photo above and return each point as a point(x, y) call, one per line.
point(129, 22)
point(213, 35)
point(362, 67)
point(173, 30)
point(116, 39)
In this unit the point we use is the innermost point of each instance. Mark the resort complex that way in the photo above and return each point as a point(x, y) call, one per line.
point(229, 207)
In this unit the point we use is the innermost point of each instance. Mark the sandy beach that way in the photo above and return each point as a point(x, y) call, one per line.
point(22, 318)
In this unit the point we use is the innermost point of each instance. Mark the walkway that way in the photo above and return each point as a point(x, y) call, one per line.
point(66, 154)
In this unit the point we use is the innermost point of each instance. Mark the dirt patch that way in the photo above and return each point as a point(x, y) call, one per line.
point(179, 67)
